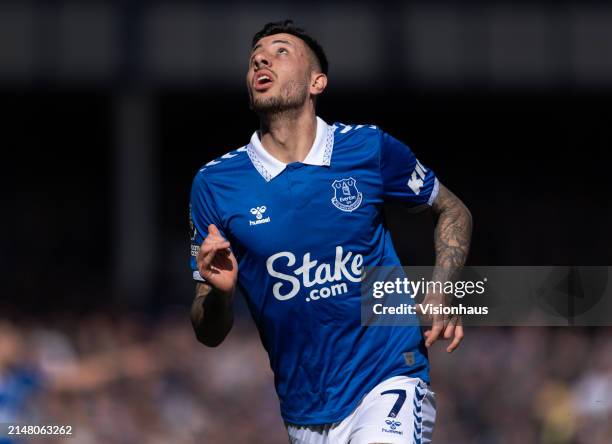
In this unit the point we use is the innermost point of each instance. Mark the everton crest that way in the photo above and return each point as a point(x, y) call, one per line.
point(346, 195)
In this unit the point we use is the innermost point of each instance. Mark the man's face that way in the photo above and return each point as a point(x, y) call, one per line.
point(279, 74)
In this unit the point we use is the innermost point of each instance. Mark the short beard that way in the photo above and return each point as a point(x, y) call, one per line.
point(292, 97)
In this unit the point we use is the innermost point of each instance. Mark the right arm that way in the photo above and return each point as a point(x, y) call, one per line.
point(212, 316)
point(211, 312)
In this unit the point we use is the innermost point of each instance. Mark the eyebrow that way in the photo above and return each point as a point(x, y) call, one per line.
point(286, 42)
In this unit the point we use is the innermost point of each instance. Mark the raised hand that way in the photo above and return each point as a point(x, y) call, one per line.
point(216, 262)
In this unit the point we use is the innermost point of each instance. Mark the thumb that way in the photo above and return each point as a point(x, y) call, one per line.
point(212, 229)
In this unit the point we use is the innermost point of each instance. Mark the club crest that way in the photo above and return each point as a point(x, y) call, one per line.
point(346, 195)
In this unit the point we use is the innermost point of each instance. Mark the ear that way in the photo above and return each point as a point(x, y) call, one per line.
point(318, 82)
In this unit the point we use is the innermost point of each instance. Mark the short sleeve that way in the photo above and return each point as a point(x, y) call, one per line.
point(202, 213)
point(405, 179)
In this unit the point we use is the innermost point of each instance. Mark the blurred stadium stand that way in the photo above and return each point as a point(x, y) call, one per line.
point(111, 106)
point(497, 44)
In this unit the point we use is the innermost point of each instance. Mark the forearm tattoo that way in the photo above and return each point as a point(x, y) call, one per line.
point(452, 235)
point(197, 307)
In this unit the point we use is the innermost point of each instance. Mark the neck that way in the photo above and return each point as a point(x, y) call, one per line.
point(289, 135)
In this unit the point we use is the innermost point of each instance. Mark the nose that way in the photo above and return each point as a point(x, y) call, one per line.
point(260, 60)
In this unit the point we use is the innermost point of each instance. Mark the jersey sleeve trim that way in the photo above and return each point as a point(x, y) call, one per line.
point(434, 192)
point(198, 277)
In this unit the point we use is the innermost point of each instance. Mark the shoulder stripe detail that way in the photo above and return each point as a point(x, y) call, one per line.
point(346, 128)
point(225, 156)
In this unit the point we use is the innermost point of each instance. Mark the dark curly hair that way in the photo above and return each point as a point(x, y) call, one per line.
point(288, 27)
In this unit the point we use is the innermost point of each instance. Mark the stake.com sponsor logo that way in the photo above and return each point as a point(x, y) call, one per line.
point(346, 266)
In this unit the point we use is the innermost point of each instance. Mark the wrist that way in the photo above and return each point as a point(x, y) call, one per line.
point(226, 294)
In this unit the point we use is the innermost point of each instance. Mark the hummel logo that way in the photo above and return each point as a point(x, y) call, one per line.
point(258, 213)
point(393, 424)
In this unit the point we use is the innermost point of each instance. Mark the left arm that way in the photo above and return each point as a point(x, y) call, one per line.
point(407, 180)
point(452, 243)
point(452, 234)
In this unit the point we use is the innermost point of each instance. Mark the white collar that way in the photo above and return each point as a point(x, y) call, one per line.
point(270, 167)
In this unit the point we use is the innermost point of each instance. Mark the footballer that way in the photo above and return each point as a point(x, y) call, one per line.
point(289, 221)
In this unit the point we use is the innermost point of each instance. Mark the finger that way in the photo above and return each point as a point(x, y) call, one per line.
point(210, 251)
point(456, 340)
point(450, 327)
point(214, 231)
point(434, 332)
point(212, 245)
point(206, 260)
point(216, 244)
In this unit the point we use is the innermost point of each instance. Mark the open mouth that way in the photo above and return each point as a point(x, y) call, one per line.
point(263, 81)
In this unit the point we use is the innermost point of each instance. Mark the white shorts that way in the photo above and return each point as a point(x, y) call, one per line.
point(398, 410)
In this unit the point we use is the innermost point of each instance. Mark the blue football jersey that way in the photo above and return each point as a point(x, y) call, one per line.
point(302, 233)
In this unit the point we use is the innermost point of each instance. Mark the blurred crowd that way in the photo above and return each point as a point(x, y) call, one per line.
point(126, 379)
point(134, 379)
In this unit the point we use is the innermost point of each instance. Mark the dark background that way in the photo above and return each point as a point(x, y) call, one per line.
point(531, 166)
point(110, 107)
